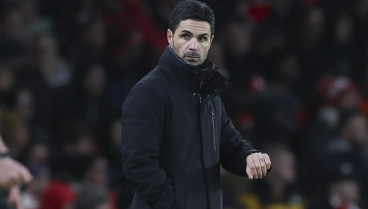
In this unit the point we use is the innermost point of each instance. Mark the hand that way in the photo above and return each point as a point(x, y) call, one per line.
point(12, 174)
point(257, 165)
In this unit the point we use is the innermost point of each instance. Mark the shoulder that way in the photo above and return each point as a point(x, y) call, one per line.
point(154, 80)
point(150, 88)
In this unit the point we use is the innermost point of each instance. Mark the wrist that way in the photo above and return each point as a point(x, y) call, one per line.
point(4, 154)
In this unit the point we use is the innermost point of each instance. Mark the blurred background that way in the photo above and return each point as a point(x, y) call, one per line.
point(299, 77)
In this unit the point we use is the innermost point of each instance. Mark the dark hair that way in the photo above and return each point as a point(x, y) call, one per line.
point(191, 9)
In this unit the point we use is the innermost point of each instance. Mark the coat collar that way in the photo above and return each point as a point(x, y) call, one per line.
point(203, 79)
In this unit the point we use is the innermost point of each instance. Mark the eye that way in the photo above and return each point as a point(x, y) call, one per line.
point(185, 36)
point(202, 38)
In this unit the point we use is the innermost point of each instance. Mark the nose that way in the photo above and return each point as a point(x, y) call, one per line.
point(193, 45)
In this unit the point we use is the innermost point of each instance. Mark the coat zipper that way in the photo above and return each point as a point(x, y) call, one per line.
point(213, 128)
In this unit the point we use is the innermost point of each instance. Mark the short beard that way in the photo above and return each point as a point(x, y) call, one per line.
point(187, 54)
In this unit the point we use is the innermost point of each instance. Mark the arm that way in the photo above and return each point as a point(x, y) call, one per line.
point(237, 155)
point(12, 172)
point(12, 175)
point(143, 116)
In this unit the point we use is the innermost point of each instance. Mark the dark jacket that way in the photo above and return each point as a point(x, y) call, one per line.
point(176, 134)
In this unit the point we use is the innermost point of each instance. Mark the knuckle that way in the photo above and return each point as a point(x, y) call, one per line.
point(252, 166)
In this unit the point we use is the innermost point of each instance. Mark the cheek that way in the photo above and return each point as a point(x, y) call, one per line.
point(204, 49)
point(179, 47)
point(206, 46)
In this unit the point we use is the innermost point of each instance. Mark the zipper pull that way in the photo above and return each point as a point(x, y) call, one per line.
point(200, 98)
point(212, 111)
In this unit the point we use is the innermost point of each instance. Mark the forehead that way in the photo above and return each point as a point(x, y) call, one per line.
point(194, 26)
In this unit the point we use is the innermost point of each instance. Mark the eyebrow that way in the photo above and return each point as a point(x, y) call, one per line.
point(186, 31)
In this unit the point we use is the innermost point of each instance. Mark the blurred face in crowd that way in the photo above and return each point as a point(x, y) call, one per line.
point(350, 100)
point(98, 173)
point(95, 81)
point(46, 50)
point(356, 129)
point(6, 79)
point(286, 172)
point(347, 191)
point(95, 34)
point(344, 28)
point(240, 42)
point(13, 25)
point(191, 41)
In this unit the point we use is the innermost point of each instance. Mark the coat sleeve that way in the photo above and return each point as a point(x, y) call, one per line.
point(143, 114)
point(234, 149)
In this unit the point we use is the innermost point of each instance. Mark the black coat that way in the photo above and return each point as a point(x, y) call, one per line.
point(175, 135)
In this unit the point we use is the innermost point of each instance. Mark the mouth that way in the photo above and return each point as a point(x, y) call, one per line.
point(191, 60)
point(192, 55)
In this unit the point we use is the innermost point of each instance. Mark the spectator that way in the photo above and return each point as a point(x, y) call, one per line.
point(13, 49)
point(343, 191)
point(7, 86)
point(96, 172)
point(58, 195)
point(92, 197)
point(345, 153)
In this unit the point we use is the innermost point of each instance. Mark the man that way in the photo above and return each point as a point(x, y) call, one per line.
point(176, 133)
point(12, 175)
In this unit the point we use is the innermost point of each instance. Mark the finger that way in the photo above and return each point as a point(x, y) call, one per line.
point(268, 161)
point(12, 194)
point(17, 177)
point(251, 166)
point(19, 204)
point(258, 173)
point(263, 165)
point(10, 179)
point(22, 174)
point(11, 182)
point(26, 176)
point(249, 173)
point(15, 197)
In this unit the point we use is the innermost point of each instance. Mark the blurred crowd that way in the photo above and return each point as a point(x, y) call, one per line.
point(299, 90)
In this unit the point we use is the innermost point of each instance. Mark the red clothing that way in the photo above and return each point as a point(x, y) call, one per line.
point(57, 195)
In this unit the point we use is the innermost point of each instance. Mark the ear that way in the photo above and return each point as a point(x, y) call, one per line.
point(211, 39)
point(170, 37)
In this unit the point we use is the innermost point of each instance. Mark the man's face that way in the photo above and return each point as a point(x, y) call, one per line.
point(191, 41)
